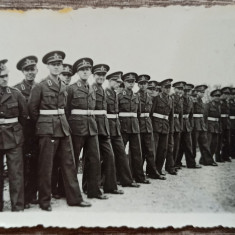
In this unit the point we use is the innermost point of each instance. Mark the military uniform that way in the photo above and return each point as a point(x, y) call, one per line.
point(46, 106)
point(146, 130)
point(225, 127)
point(80, 113)
point(162, 121)
point(121, 160)
point(174, 137)
point(199, 134)
point(212, 117)
point(13, 114)
point(186, 137)
point(30, 147)
point(129, 105)
point(232, 121)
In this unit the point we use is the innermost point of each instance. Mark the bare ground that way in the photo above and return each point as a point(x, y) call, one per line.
point(210, 189)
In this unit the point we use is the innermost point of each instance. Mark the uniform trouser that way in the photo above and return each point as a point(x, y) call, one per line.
point(48, 148)
point(161, 142)
point(121, 160)
point(57, 185)
point(232, 143)
point(108, 169)
point(91, 162)
point(218, 156)
point(200, 137)
point(169, 155)
point(14, 158)
point(187, 149)
point(136, 162)
point(225, 151)
point(213, 141)
point(148, 154)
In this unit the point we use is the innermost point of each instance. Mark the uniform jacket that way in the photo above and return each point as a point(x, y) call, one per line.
point(25, 88)
point(129, 102)
point(81, 96)
point(225, 121)
point(178, 109)
point(47, 95)
point(112, 108)
point(187, 110)
point(162, 104)
point(12, 105)
point(232, 112)
point(213, 110)
point(199, 122)
point(101, 120)
point(146, 103)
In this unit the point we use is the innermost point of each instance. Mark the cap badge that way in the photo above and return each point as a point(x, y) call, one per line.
point(56, 56)
point(131, 76)
point(102, 68)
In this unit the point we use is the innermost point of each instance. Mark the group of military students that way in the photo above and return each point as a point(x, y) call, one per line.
point(46, 126)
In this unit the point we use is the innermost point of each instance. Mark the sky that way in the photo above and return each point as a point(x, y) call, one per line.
point(193, 44)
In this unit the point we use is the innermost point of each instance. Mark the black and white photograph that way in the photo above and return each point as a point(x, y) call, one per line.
point(118, 117)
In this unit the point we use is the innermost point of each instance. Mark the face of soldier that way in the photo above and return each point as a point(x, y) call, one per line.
point(114, 84)
point(84, 73)
point(3, 78)
point(66, 78)
point(143, 86)
point(129, 84)
point(224, 96)
point(166, 89)
point(201, 94)
point(119, 90)
point(99, 78)
point(30, 73)
point(178, 91)
point(216, 98)
point(55, 68)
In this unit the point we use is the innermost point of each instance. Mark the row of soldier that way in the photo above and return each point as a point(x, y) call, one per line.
point(44, 127)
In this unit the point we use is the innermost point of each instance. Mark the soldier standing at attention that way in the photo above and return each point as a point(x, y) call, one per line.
point(199, 134)
point(106, 152)
point(232, 120)
point(13, 114)
point(129, 105)
point(46, 106)
point(225, 125)
point(57, 179)
point(146, 128)
point(186, 134)
point(121, 159)
point(212, 117)
point(28, 66)
point(174, 137)
point(153, 88)
point(80, 113)
point(162, 121)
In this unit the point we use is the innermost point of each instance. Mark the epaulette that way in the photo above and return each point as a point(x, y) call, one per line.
point(42, 80)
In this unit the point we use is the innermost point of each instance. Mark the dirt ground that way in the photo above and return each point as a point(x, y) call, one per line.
point(210, 189)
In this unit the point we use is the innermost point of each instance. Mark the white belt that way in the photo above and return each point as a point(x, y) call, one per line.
point(8, 120)
point(176, 115)
point(112, 115)
point(51, 112)
point(213, 119)
point(158, 115)
point(232, 117)
point(100, 112)
point(224, 115)
point(144, 115)
point(198, 115)
point(82, 112)
point(126, 114)
point(185, 115)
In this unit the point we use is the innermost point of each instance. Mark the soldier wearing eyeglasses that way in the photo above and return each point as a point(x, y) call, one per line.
point(46, 106)
point(146, 128)
point(212, 117)
point(28, 66)
point(162, 121)
point(13, 115)
point(129, 105)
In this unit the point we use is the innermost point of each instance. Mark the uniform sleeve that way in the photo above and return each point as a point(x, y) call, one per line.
point(23, 111)
point(153, 106)
point(139, 105)
point(191, 120)
point(34, 102)
point(181, 115)
point(68, 107)
point(171, 117)
point(206, 112)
